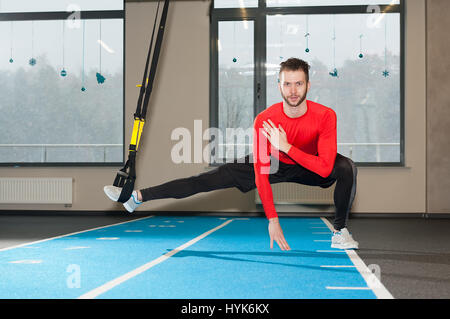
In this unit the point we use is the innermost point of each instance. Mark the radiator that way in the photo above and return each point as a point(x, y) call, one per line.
point(293, 193)
point(35, 190)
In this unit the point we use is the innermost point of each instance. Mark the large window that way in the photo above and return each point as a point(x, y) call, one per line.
point(235, 85)
point(61, 82)
point(355, 49)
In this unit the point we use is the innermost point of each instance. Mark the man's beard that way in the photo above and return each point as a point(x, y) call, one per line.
point(302, 98)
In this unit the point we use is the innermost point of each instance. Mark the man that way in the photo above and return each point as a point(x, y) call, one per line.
point(298, 137)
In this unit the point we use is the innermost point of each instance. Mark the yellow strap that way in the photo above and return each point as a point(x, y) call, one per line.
point(137, 131)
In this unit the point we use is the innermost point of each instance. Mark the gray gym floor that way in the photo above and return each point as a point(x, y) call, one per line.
point(413, 254)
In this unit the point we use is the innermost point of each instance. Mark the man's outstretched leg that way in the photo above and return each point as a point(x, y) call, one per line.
point(239, 175)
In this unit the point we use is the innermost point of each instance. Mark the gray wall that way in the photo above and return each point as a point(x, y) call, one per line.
point(438, 106)
point(182, 96)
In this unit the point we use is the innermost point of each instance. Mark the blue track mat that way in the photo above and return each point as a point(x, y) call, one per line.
point(231, 260)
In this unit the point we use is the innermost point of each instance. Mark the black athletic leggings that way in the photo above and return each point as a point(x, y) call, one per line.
point(241, 175)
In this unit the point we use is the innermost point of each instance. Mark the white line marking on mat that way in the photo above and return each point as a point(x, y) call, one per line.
point(66, 235)
point(330, 251)
point(76, 247)
point(372, 281)
point(349, 288)
point(113, 283)
point(27, 261)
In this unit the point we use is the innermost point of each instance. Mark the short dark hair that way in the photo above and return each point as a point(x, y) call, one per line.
point(294, 64)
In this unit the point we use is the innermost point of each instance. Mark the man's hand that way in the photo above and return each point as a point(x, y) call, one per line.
point(276, 233)
point(276, 136)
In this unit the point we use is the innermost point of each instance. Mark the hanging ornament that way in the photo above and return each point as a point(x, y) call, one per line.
point(361, 55)
point(334, 73)
point(11, 46)
point(82, 59)
point(100, 77)
point(360, 47)
point(32, 61)
point(307, 35)
point(307, 48)
point(280, 56)
point(385, 71)
point(234, 42)
point(63, 72)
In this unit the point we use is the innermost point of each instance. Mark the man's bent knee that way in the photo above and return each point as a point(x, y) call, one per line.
point(345, 167)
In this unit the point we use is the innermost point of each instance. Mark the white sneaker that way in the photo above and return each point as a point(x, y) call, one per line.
point(343, 240)
point(113, 193)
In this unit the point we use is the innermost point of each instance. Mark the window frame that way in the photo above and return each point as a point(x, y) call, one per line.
point(84, 15)
point(258, 15)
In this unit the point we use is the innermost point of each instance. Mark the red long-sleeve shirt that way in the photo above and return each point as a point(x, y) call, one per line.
point(314, 145)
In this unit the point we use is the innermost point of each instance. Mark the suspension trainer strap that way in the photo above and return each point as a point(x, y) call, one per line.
point(126, 177)
point(155, 58)
point(147, 62)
